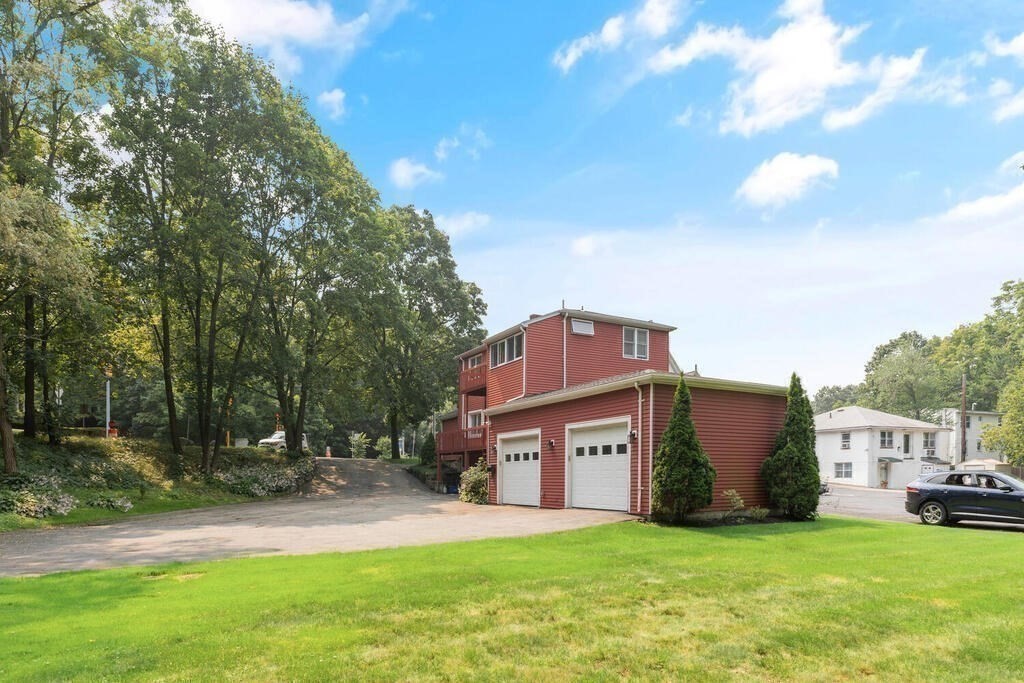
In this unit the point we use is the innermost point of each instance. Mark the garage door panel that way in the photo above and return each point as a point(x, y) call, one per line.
point(600, 467)
point(519, 463)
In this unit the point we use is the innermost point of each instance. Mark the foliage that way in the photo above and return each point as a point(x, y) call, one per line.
point(835, 396)
point(428, 451)
point(473, 483)
point(903, 378)
point(683, 477)
point(736, 504)
point(758, 514)
point(357, 444)
point(1008, 437)
point(264, 480)
point(383, 447)
point(790, 474)
point(107, 502)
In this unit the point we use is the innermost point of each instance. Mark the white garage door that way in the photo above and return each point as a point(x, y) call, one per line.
point(600, 468)
point(520, 471)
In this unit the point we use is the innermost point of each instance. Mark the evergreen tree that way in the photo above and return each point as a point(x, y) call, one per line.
point(683, 477)
point(428, 451)
point(791, 473)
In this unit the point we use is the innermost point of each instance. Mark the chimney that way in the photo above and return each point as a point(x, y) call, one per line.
point(534, 315)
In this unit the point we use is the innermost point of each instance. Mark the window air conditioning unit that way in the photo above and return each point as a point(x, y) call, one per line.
point(929, 452)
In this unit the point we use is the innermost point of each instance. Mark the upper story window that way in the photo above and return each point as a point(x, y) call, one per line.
point(475, 361)
point(968, 421)
point(474, 419)
point(844, 441)
point(507, 350)
point(634, 343)
point(583, 327)
point(885, 440)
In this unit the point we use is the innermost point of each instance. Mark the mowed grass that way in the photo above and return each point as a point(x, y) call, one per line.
point(834, 600)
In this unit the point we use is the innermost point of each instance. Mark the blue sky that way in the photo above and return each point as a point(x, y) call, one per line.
point(789, 183)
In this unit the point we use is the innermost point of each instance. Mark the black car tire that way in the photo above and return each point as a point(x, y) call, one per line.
point(933, 513)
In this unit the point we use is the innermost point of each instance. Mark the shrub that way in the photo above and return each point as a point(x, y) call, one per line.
point(758, 514)
point(357, 443)
point(383, 447)
point(428, 451)
point(683, 475)
point(473, 483)
point(735, 504)
point(121, 503)
point(791, 473)
point(265, 480)
point(36, 496)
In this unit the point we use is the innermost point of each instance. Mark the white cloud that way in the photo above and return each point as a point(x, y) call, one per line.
point(281, 27)
point(653, 19)
point(406, 173)
point(785, 178)
point(894, 75)
point(791, 73)
point(684, 119)
point(459, 224)
point(470, 138)
point(1013, 163)
point(1011, 48)
point(1010, 108)
point(1000, 87)
point(996, 208)
point(333, 101)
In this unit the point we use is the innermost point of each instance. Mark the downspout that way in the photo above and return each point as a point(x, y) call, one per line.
point(522, 329)
point(650, 448)
point(639, 439)
point(565, 368)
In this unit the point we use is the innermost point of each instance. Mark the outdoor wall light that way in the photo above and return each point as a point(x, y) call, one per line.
point(632, 435)
point(551, 443)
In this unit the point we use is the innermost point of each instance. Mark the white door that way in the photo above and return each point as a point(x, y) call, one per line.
point(520, 471)
point(600, 467)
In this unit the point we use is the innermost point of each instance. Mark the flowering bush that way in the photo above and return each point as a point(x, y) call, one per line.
point(38, 504)
point(265, 480)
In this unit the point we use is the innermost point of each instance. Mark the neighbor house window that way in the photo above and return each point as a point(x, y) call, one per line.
point(507, 350)
point(968, 421)
point(634, 343)
point(929, 441)
point(844, 470)
point(844, 442)
point(583, 327)
point(885, 439)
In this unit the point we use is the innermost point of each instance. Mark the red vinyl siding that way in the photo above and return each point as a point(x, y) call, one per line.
point(737, 430)
point(544, 362)
point(591, 358)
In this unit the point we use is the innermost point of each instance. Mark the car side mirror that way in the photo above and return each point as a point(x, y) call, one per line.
point(1006, 489)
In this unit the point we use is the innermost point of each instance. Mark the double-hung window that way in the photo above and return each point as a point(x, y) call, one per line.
point(634, 343)
point(474, 419)
point(844, 441)
point(507, 350)
point(929, 441)
point(885, 440)
point(844, 470)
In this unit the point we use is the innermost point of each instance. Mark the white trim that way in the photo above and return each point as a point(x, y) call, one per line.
point(605, 422)
point(572, 326)
point(644, 377)
point(509, 436)
point(639, 441)
point(636, 343)
point(565, 357)
point(650, 450)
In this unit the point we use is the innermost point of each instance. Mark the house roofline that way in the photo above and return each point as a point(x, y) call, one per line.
point(904, 428)
point(627, 382)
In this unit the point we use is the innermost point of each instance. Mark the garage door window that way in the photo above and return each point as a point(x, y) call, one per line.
point(593, 450)
point(621, 449)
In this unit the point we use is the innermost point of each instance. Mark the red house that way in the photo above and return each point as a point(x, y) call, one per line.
point(568, 408)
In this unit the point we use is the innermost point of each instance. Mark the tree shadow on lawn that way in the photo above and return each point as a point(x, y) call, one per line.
point(761, 531)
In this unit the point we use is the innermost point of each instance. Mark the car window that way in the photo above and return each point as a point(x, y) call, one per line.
point(959, 479)
point(987, 482)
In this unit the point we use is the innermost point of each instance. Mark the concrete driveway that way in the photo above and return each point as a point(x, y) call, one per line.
point(355, 505)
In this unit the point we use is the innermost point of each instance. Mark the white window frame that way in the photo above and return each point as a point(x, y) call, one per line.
point(475, 361)
point(844, 441)
point(506, 350)
point(474, 414)
point(843, 470)
point(582, 327)
point(883, 442)
point(929, 441)
point(631, 344)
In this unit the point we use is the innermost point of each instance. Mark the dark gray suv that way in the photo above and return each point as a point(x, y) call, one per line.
point(957, 495)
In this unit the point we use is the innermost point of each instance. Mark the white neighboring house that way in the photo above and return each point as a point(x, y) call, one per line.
point(867, 447)
point(977, 422)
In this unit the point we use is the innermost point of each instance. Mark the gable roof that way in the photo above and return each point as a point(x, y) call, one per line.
point(572, 313)
point(858, 417)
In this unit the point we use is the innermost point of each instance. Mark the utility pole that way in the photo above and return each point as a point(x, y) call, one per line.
point(963, 417)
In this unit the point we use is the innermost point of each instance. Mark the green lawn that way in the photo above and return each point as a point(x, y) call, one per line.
point(836, 600)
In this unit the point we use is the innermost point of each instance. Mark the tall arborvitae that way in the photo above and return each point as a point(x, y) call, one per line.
point(683, 477)
point(791, 473)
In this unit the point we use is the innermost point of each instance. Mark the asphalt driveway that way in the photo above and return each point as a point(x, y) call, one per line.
point(355, 505)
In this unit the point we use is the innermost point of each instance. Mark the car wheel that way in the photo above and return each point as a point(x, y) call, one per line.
point(933, 513)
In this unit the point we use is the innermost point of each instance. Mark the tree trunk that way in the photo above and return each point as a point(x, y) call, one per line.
point(30, 365)
point(164, 339)
point(49, 419)
point(6, 433)
point(393, 423)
